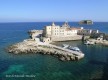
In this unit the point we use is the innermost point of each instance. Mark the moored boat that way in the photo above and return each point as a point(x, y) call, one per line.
point(65, 45)
point(89, 43)
point(74, 48)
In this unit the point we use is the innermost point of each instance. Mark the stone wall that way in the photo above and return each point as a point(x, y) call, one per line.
point(35, 33)
point(106, 36)
point(78, 37)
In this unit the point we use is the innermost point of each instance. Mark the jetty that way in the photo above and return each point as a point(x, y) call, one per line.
point(95, 41)
point(31, 46)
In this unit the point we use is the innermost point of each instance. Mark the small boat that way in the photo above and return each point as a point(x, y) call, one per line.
point(65, 45)
point(89, 43)
point(74, 48)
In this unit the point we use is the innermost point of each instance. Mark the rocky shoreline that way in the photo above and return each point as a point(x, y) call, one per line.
point(30, 46)
point(101, 42)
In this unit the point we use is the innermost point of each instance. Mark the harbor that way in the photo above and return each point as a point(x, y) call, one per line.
point(40, 41)
point(53, 40)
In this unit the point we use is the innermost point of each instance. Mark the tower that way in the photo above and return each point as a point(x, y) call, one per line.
point(66, 25)
point(53, 24)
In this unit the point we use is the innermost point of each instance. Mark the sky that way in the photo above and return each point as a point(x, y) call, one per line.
point(53, 10)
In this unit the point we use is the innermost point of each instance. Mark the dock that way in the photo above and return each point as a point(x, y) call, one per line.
point(63, 49)
point(29, 46)
point(78, 55)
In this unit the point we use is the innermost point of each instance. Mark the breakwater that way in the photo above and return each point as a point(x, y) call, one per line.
point(31, 46)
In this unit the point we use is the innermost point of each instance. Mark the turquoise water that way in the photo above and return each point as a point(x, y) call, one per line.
point(45, 67)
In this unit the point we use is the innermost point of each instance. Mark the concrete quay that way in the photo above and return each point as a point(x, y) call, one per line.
point(102, 42)
point(31, 46)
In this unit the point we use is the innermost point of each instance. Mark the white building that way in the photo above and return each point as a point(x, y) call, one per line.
point(55, 32)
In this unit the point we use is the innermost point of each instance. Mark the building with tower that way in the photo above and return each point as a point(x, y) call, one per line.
point(60, 33)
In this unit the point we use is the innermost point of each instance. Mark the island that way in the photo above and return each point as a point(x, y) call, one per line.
point(40, 41)
point(88, 22)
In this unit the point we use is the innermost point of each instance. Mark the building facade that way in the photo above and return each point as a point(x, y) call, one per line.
point(87, 32)
point(59, 33)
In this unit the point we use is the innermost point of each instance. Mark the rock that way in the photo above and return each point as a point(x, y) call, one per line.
point(62, 58)
point(68, 58)
point(16, 52)
point(76, 57)
point(48, 52)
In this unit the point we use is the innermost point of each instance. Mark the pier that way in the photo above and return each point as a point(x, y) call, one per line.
point(30, 46)
point(62, 49)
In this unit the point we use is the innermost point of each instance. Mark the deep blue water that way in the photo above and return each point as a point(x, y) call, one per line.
point(45, 67)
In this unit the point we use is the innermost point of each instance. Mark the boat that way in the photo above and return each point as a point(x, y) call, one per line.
point(74, 48)
point(65, 45)
point(89, 43)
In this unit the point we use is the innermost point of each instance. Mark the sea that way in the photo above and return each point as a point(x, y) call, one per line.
point(94, 66)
